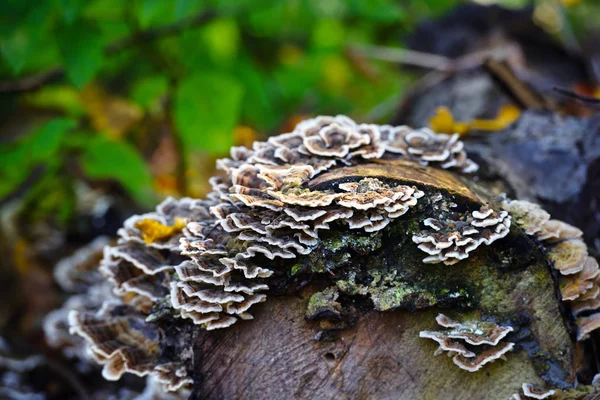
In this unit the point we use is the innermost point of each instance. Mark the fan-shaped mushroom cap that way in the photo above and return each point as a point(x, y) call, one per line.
point(474, 364)
point(472, 332)
point(569, 256)
point(425, 146)
point(330, 136)
point(536, 392)
point(555, 230)
point(451, 240)
point(186, 302)
point(529, 216)
point(484, 337)
point(74, 271)
point(587, 325)
point(116, 344)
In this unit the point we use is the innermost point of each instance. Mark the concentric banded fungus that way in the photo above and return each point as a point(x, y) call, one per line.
point(79, 275)
point(533, 392)
point(427, 147)
point(579, 280)
point(451, 240)
point(116, 343)
point(480, 341)
point(209, 261)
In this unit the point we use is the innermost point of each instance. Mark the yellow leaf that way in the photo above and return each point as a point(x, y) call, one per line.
point(244, 136)
point(20, 256)
point(201, 166)
point(336, 73)
point(506, 116)
point(570, 3)
point(166, 185)
point(110, 114)
point(153, 231)
point(443, 121)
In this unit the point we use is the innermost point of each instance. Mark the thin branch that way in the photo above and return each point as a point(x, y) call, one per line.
point(435, 61)
point(160, 32)
point(585, 99)
point(404, 56)
point(34, 82)
point(518, 90)
point(31, 82)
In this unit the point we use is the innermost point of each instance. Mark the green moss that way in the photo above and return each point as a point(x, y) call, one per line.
point(161, 309)
point(412, 227)
point(324, 301)
point(296, 268)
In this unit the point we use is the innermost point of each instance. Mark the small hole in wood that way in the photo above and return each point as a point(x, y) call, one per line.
point(329, 357)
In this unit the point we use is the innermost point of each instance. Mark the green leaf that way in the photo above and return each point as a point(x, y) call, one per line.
point(184, 8)
point(207, 109)
point(63, 97)
point(103, 158)
point(82, 50)
point(328, 33)
point(16, 48)
point(21, 32)
point(147, 91)
point(42, 146)
point(71, 9)
point(221, 38)
point(153, 12)
point(259, 100)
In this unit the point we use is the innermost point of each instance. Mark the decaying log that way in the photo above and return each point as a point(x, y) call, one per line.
point(281, 354)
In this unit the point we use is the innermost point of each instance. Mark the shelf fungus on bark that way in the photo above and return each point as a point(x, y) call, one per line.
point(579, 275)
point(471, 343)
point(126, 344)
point(531, 391)
point(321, 200)
point(427, 147)
point(451, 239)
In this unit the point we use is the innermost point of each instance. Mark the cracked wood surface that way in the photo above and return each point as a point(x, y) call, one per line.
point(276, 357)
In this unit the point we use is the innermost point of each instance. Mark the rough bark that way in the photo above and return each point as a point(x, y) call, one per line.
point(276, 356)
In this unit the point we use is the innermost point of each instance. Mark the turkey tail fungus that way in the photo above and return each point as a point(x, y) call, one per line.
point(318, 264)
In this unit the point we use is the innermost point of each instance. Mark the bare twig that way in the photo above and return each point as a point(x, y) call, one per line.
point(404, 56)
point(585, 99)
point(518, 90)
point(34, 82)
point(31, 82)
point(435, 61)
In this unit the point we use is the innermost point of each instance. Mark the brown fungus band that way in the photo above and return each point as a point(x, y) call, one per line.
point(451, 239)
point(471, 343)
point(579, 274)
point(208, 261)
point(531, 391)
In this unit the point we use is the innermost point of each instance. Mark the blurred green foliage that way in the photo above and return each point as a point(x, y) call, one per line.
point(105, 79)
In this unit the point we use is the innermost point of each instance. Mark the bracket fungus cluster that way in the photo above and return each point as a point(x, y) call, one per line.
point(579, 280)
point(471, 343)
point(126, 344)
point(197, 265)
point(533, 392)
point(452, 239)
